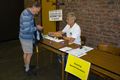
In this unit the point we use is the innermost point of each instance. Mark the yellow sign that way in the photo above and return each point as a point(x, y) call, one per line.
point(78, 67)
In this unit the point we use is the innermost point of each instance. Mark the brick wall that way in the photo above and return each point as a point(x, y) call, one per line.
point(99, 20)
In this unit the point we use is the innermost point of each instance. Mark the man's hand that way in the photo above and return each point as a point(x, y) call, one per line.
point(51, 33)
point(39, 27)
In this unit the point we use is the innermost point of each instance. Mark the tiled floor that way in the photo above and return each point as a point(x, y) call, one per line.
point(11, 64)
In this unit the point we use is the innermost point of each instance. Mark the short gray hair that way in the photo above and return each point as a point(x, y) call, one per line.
point(71, 15)
point(36, 4)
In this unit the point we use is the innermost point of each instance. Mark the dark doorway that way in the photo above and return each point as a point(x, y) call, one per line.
point(10, 11)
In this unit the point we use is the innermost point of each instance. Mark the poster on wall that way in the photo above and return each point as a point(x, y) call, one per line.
point(55, 15)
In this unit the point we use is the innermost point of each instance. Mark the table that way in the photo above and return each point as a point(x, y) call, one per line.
point(102, 62)
point(54, 47)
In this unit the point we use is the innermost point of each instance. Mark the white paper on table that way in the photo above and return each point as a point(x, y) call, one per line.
point(86, 48)
point(64, 49)
point(80, 52)
point(76, 52)
point(53, 39)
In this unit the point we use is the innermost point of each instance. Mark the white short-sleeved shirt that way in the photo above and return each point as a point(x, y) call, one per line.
point(74, 32)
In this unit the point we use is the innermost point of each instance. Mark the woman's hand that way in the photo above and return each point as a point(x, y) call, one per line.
point(55, 34)
point(58, 34)
point(69, 39)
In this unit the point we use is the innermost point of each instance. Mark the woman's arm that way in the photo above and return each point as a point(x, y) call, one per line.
point(69, 39)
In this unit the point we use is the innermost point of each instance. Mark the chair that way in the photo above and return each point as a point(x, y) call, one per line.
point(109, 48)
point(83, 41)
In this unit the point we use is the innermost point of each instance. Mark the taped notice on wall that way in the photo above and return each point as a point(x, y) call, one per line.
point(55, 15)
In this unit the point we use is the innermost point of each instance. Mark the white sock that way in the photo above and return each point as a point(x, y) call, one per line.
point(27, 67)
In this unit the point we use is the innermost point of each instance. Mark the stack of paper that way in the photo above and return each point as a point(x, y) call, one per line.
point(53, 38)
point(65, 49)
point(77, 52)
